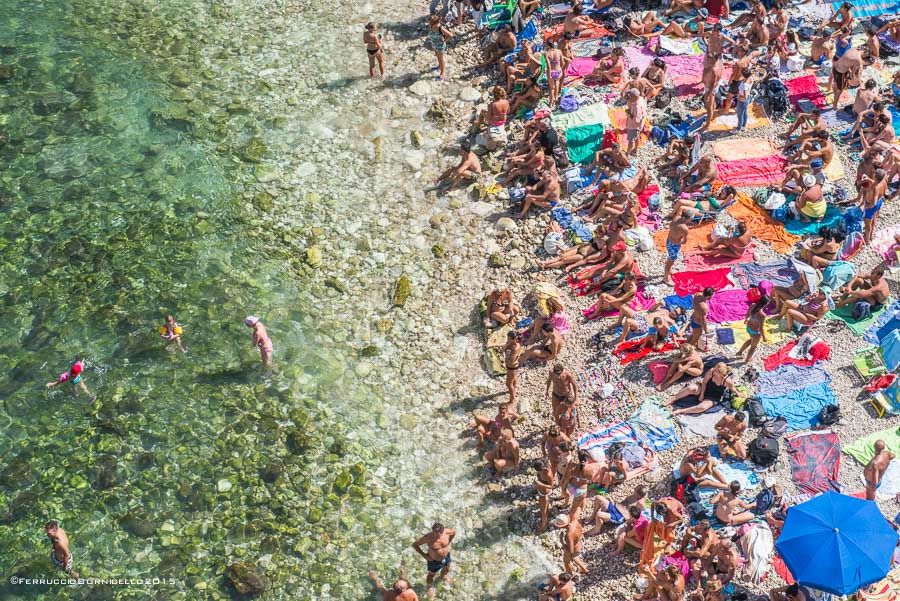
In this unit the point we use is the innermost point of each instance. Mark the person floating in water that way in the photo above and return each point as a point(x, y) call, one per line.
point(73, 376)
point(60, 555)
point(172, 331)
point(261, 339)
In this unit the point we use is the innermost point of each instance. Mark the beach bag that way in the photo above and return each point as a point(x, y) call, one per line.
point(765, 499)
point(775, 200)
point(764, 451)
point(663, 99)
point(719, 231)
point(553, 243)
point(795, 63)
point(776, 427)
point(777, 93)
point(862, 310)
point(659, 135)
point(495, 138)
point(829, 415)
point(569, 103)
point(756, 413)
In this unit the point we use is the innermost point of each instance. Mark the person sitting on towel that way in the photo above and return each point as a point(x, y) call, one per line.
point(610, 70)
point(545, 193)
point(688, 363)
point(678, 154)
point(806, 125)
point(734, 245)
point(576, 20)
point(546, 346)
point(811, 204)
point(730, 508)
point(729, 430)
point(616, 299)
point(708, 391)
point(655, 75)
point(699, 545)
point(609, 161)
point(841, 19)
point(501, 309)
point(880, 137)
point(792, 592)
point(706, 203)
point(809, 311)
point(466, 171)
point(817, 146)
point(505, 43)
point(691, 27)
point(865, 120)
point(701, 466)
point(793, 178)
point(644, 27)
point(872, 288)
point(822, 250)
point(700, 176)
point(620, 261)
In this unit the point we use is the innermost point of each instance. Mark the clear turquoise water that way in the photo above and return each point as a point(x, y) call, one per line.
point(114, 211)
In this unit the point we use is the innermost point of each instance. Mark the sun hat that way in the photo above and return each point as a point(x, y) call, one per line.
point(809, 181)
point(251, 320)
point(560, 521)
point(703, 13)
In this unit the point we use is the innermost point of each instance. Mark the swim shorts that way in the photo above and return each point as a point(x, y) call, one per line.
point(673, 251)
point(870, 213)
point(435, 566)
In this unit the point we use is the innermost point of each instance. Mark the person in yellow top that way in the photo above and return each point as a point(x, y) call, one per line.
point(811, 204)
point(172, 331)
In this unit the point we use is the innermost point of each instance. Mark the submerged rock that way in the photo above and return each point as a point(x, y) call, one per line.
point(6, 72)
point(402, 288)
point(254, 150)
point(247, 578)
point(137, 522)
point(313, 256)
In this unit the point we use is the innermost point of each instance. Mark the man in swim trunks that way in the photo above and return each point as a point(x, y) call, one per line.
point(609, 161)
point(700, 176)
point(505, 43)
point(467, 170)
point(841, 19)
point(399, 591)
point(698, 324)
point(807, 124)
point(872, 288)
point(678, 234)
point(757, 11)
point(728, 560)
point(712, 73)
point(606, 511)
point(873, 191)
point(546, 346)
point(74, 376)
point(880, 137)
point(876, 467)
point(731, 510)
point(729, 430)
point(733, 245)
point(562, 385)
point(60, 555)
point(372, 40)
point(572, 539)
point(437, 553)
point(845, 70)
point(699, 545)
point(490, 429)
point(260, 339)
point(579, 475)
point(745, 57)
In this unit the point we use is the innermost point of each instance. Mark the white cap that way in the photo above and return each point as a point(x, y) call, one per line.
point(809, 180)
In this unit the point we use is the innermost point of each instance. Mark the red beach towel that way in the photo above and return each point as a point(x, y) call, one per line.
point(689, 282)
point(805, 87)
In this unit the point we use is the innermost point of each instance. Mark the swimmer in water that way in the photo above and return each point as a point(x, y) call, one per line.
point(172, 331)
point(73, 376)
point(261, 339)
point(60, 555)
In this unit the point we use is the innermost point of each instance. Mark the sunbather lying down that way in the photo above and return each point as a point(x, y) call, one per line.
point(703, 202)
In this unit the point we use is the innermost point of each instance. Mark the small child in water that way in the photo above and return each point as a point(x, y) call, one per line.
point(261, 339)
point(172, 331)
point(73, 376)
point(374, 49)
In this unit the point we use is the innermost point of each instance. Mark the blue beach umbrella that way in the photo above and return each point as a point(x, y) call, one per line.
point(837, 544)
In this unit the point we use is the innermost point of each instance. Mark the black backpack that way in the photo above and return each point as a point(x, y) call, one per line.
point(764, 451)
point(777, 94)
point(829, 415)
point(775, 427)
point(756, 413)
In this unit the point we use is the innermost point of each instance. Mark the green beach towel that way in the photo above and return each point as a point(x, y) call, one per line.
point(592, 114)
point(864, 449)
point(583, 142)
point(859, 328)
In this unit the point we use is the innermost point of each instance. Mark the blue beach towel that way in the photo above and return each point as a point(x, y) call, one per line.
point(685, 302)
point(789, 378)
point(799, 228)
point(801, 406)
point(653, 426)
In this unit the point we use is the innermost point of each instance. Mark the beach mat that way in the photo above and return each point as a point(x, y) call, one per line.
point(819, 352)
point(780, 272)
point(744, 148)
point(805, 87)
point(758, 171)
point(756, 114)
point(696, 261)
point(815, 460)
point(592, 114)
point(863, 449)
point(700, 426)
point(690, 282)
point(697, 236)
point(582, 142)
point(858, 327)
point(801, 406)
point(761, 225)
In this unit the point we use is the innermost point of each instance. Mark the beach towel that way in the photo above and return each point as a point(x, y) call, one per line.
point(653, 426)
point(890, 482)
point(728, 305)
point(884, 324)
point(593, 30)
point(742, 471)
point(744, 148)
point(592, 114)
point(697, 261)
point(579, 67)
point(895, 118)
point(789, 378)
point(760, 171)
point(832, 119)
point(582, 142)
point(758, 546)
point(619, 118)
point(685, 302)
point(833, 216)
point(782, 570)
point(690, 282)
point(761, 225)
point(756, 114)
point(838, 274)
point(863, 449)
point(858, 327)
point(834, 171)
point(805, 87)
point(780, 272)
point(633, 350)
point(586, 47)
point(591, 382)
point(820, 351)
point(883, 244)
point(697, 236)
point(702, 425)
point(885, 38)
point(801, 407)
point(684, 72)
point(772, 333)
point(815, 459)
point(598, 440)
point(675, 46)
point(872, 8)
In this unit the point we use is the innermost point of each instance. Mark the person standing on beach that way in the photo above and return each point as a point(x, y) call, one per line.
point(438, 36)
point(399, 591)
point(678, 234)
point(699, 327)
point(561, 383)
point(73, 376)
point(512, 351)
point(261, 339)
point(437, 554)
point(875, 469)
point(374, 49)
point(60, 555)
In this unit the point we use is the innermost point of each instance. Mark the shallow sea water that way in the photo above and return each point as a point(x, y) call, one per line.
point(117, 207)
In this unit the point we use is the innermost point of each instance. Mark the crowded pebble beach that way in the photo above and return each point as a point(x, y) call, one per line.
point(767, 206)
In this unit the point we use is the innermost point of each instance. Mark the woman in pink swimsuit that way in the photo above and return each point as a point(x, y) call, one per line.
point(554, 59)
point(261, 339)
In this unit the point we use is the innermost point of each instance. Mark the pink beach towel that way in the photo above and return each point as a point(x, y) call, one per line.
point(689, 282)
point(760, 171)
point(744, 148)
point(658, 369)
point(580, 67)
point(728, 305)
point(697, 262)
point(805, 87)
